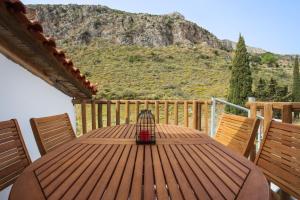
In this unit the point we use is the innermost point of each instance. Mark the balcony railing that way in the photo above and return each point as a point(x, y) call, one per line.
point(100, 113)
point(269, 109)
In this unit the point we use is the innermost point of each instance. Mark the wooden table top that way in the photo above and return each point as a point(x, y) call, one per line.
point(107, 164)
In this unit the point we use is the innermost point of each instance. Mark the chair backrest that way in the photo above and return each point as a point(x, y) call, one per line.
point(14, 157)
point(237, 132)
point(279, 156)
point(51, 132)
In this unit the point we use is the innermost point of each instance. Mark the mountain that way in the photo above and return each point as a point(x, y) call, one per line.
point(82, 23)
point(139, 56)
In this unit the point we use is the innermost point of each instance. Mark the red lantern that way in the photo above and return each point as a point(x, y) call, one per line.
point(145, 128)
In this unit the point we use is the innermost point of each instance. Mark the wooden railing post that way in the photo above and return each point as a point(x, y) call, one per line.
point(127, 115)
point(286, 113)
point(93, 111)
point(206, 117)
point(100, 122)
point(176, 113)
point(186, 113)
point(199, 116)
point(194, 124)
point(157, 112)
point(268, 114)
point(253, 111)
point(137, 109)
point(118, 112)
point(253, 114)
point(108, 114)
point(146, 105)
point(166, 112)
point(83, 117)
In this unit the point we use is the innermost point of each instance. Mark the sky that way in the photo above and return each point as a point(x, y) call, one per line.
point(273, 25)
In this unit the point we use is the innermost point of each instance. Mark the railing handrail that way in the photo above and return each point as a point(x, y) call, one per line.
point(214, 100)
point(149, 101)
point(231, 104)
point(295, 106)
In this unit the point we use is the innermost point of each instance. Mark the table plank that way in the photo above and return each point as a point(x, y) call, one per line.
point(209, 187)
point(66, 172)
point(148, 175)
point(52, 172)
point(182, 181)
point(58, 159)
point(137, 181)
point(161, 189)
point(65, 180)
point(125, 184)
point(108, 164)
point(128, 131)
point(101, 160)
point(190, 175)
point(170, 178)
point(223, 182)
point(31, 191)
point(104, 181)
point(94, 182)
point(115, 179)
point(133, 141)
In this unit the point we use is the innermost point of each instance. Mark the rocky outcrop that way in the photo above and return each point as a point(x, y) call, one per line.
point(82, 23)
point(228, 44)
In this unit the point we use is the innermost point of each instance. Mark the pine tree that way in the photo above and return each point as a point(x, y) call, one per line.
point(241, 81)
point(272, 89)
point(296, 84)
point(281, 93)
point(260, 91)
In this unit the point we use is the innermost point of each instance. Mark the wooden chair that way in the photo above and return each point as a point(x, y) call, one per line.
point(51, 132)
point(279, 156)
point(237, 132)
point(14, 157)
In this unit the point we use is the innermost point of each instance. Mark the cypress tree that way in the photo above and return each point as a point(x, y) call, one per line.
point(296, 82)
point(241, 81)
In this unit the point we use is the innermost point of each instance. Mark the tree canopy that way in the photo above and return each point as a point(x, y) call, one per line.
point(241, 81)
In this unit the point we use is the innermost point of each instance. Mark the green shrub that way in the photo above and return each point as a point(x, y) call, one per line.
point(134, 58)
point(269, 58)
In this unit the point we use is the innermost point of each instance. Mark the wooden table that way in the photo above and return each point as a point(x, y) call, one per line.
point(106, 163)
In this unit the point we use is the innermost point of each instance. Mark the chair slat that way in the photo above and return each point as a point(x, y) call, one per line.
point(52, 131)
point(279, 156)
point(237, 132)
point(14, 157)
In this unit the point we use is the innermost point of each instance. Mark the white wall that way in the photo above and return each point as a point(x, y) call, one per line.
point(23, 96)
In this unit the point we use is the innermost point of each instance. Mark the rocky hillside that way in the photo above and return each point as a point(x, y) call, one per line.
point(231, 45)
point(135, 55)
point(83, 23)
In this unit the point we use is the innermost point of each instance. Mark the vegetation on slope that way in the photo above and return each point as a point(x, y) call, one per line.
point(135, 72)
point(171, 72)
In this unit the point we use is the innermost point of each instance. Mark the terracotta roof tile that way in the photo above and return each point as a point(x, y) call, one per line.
point(15, 5)
point(35, 26)
point(18, 9)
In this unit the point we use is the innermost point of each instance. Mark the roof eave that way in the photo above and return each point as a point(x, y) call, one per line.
point(20, 45)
